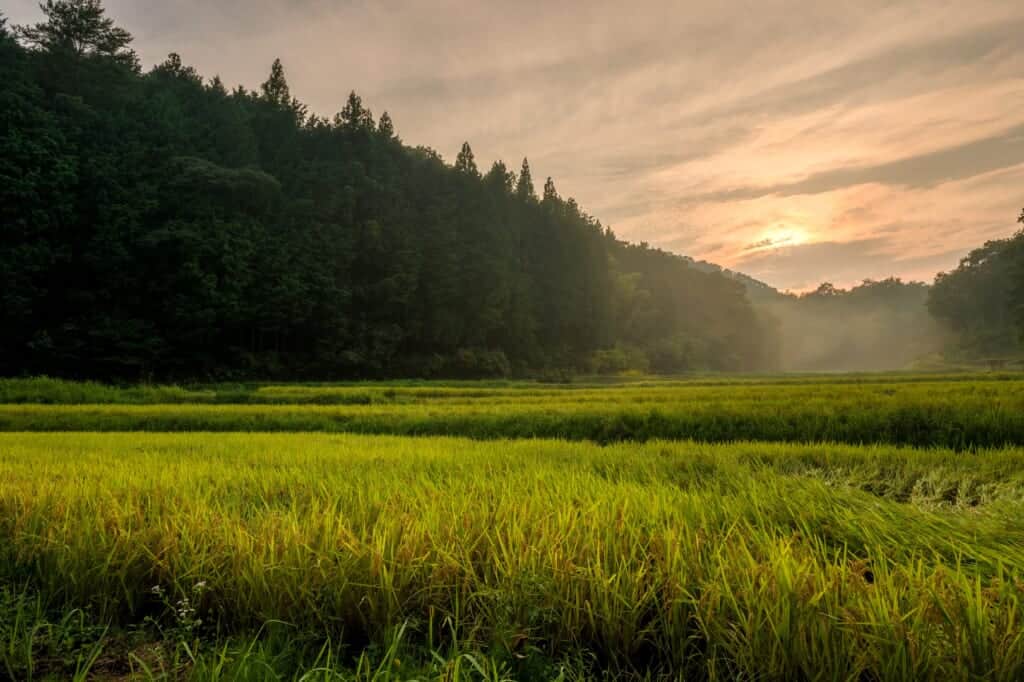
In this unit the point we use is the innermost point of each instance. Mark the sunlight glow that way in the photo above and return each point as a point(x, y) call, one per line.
point(778, 236)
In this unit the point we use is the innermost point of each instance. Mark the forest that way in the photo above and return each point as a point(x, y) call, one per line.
point(157, 224)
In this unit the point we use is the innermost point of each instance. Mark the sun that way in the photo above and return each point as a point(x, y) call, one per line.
point(780, 235)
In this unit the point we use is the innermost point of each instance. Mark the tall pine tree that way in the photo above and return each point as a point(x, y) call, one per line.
point(465, 163)
point(550, 194)
point(354, 115)
point(385, 127)
point(524, 187)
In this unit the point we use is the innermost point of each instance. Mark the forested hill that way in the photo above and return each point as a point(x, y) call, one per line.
point(157, 224)
point(756, 289)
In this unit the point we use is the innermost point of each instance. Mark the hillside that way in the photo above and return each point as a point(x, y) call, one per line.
point(756, 289)
point(158, 224)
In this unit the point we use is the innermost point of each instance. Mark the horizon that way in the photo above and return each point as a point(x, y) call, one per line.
point(843, 144)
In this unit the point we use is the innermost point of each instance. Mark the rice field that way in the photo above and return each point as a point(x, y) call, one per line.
point(943, 411)
point(149, 544)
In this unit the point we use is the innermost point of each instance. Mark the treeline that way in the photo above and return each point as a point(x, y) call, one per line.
point(156, 224)
point(973, 315)
point(982, 301)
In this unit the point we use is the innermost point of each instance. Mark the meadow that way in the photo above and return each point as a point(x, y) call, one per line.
point(956, 411)
point(141, 538)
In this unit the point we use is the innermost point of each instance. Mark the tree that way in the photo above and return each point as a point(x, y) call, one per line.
point(217, 87)
point(1017, 292)
point(275, 89)
point(174, 68)
point(464, 162)
point(982, 300)
point(500, 176)
point(826, 290)
point(550, 194)
point(524, 187)
point(354, 115)
point(80, 27)
point(385, 127)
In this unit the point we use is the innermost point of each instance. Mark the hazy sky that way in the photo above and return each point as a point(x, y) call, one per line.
point(796, 141)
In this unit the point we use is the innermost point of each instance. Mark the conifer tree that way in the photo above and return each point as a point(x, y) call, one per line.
point(275, 89)
point(550, 194)
point(524, 187)
point(217, 86)
point(385, 127)
point(465, 163)
point(501, 176)
point(354, 115)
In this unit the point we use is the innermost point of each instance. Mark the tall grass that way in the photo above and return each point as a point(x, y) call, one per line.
point(50, 391)
point(747, 560)
point(961, 414)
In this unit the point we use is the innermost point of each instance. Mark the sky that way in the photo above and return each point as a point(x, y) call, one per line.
point(797, 142)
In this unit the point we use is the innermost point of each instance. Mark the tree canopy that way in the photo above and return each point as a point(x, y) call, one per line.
point(158, 224)
point(80, 27)
point(982, 300)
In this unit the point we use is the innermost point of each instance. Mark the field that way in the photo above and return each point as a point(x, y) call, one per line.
point(515, 531)
point(957, 411)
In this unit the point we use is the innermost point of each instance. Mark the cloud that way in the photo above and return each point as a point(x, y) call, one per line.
point(842, 263)
point(888, 135)
point(899, 70)
point(1003, 150)
point(768, 243)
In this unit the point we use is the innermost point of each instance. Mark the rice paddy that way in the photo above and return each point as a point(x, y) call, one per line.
point(941, 411)
point(142, 539)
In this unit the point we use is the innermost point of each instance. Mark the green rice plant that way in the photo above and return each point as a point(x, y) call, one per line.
point(49, 391)
point(503, 558)
point(34, 646)
point(956, 414)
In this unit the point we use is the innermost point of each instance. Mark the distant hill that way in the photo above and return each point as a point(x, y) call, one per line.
point(756, 289)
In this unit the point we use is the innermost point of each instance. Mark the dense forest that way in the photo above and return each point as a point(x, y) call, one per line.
point(156, 224)
point(982, 301)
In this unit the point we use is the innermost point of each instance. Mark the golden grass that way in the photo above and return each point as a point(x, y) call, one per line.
point(715, 561)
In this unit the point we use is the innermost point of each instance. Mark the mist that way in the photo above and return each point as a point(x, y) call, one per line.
point(876, 326)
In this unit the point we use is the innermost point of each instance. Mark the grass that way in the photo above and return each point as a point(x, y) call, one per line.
point(49, 391)
point(519, 559)
point(848, 527)
point(961, 413)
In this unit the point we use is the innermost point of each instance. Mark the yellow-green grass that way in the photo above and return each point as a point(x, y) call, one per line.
point(751, 560)
point(44, 390)
point(958, 414)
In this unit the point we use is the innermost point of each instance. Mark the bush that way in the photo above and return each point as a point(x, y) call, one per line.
point(479, 363)
point(619, 360)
